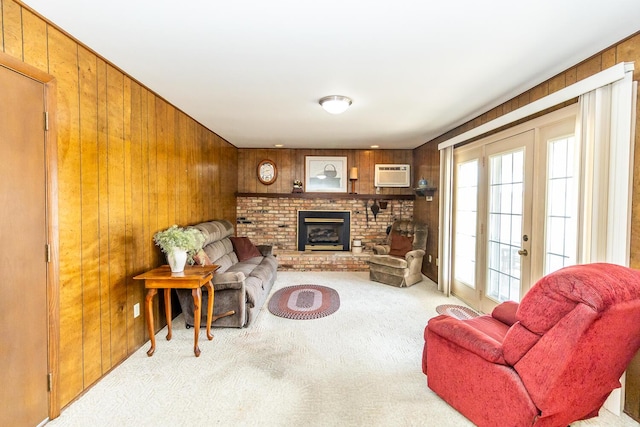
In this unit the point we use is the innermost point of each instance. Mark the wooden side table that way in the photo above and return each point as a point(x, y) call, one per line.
point(193, 277)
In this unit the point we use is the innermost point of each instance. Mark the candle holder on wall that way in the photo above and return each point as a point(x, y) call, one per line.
point(353, 177)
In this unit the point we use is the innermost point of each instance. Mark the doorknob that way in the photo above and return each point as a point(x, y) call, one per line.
point(523, 252)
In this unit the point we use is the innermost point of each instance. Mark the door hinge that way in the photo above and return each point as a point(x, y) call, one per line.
point(49, 381)
point(46, 120)
point(47, 252)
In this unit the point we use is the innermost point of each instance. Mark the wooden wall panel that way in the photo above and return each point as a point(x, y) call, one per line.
point(63, 54)
point(34, 40)
point(12, 28)
point(88, 80)
point(129, 164)
point(229, 176)
point(427, 165)
point(135, 229)
point(182, 170)
point(116, 186)
point(129, 128)
point(162, 196)
point(2, 26)
point(103, 215)
point(291, 166)
point(170, 163)
point(154, 186)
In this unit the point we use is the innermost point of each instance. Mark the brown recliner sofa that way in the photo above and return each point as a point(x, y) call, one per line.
point(398, 262)
point(241, 286)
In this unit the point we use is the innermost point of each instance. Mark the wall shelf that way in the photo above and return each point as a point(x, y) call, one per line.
point(329, 196)
point(426, 192)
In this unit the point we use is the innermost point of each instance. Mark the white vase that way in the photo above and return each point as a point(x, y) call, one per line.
point(177, 260)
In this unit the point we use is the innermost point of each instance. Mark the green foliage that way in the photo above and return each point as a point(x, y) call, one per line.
point(188, 239)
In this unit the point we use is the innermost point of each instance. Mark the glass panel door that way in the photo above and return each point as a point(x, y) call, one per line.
point(465, 225)
point(511, 227)
point(510, 163)
point(557, 220)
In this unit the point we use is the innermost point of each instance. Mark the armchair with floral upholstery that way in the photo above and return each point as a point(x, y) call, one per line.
point(551, 360)
point(399, 261)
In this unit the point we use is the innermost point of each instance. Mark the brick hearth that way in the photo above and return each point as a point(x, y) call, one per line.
point(273, 220)
point(322, 261)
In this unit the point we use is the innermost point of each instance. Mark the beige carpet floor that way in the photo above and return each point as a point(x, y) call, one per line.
point(360, 366)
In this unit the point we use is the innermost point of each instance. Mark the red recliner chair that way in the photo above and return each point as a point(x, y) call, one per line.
point(551, 360)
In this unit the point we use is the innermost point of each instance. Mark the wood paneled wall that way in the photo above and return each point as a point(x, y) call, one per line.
point(129, 165)
point(427, 164)
point(291, 165)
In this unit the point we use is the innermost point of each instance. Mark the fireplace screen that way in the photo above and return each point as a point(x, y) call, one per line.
point(323, 230)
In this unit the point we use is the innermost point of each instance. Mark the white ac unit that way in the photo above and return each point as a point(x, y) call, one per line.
point(392, 176)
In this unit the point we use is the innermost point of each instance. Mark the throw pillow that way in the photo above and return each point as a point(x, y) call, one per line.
point(244, 249)
point(400, 245)
point(201, 258)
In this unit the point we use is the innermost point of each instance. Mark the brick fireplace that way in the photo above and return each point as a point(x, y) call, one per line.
point(273, 220)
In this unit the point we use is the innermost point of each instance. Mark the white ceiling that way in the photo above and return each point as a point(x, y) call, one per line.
point(253, 70)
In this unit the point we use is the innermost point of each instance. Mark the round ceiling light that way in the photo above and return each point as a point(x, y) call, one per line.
point(335, 104)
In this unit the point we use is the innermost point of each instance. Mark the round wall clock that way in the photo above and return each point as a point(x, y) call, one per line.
point(267, 172)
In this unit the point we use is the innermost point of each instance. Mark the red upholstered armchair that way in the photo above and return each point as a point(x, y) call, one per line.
point(549, 361)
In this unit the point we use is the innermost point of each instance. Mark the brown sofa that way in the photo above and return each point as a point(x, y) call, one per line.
point(241, 286)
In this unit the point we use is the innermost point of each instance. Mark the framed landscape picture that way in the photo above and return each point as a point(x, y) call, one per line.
point(326, 174)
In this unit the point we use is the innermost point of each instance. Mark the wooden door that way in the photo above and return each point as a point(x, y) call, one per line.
point(23, 265)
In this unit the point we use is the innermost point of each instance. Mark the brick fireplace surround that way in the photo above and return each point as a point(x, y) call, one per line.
point(273, 220)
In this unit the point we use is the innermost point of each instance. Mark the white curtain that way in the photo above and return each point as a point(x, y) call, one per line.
point(604, 132)
point(445, 237)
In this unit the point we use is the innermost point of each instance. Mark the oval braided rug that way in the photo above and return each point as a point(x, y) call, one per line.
point(302, 302)
point(457, 311)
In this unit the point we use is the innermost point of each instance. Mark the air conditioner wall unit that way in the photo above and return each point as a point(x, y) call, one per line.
point(392, 175)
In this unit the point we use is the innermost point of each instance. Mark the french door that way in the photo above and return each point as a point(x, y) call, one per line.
point(514, 212)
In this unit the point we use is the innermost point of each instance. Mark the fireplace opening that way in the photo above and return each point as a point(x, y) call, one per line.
point(324, 230)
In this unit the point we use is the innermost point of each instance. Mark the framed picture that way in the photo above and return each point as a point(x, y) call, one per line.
point(326, 174)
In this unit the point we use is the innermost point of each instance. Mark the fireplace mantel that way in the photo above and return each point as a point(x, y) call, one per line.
point(330, 196)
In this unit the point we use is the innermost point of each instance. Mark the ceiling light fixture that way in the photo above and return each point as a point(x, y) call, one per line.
point(335, 104)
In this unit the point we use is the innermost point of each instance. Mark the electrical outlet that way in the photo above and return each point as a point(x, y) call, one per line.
point(136, 310)
point(429, 259)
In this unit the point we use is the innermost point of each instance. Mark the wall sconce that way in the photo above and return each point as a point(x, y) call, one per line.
point(353, 177)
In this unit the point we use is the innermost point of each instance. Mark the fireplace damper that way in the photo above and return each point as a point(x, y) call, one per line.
point(324, 230)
